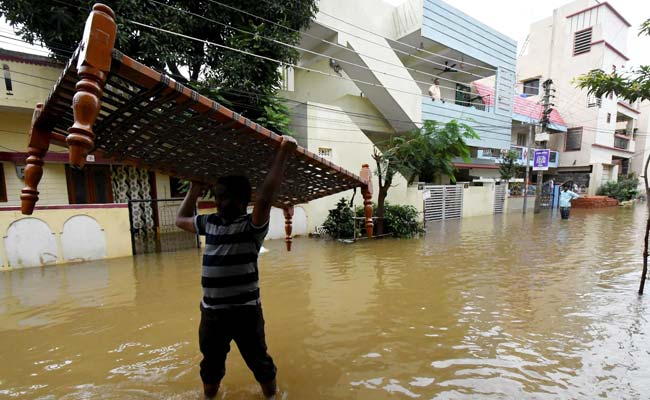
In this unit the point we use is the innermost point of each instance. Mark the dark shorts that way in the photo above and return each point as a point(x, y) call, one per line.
point(564, 212)
point(244, 325)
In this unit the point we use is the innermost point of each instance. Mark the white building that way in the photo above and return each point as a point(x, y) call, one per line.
point(581, 36)
point(642, 142)
point(365, 71)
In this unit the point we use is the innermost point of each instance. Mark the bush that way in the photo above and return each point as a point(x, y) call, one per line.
point(516, 189)
point(625, 189)
point(399, 220)
point(340, 221)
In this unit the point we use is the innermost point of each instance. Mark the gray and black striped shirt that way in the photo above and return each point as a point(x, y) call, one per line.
point(229, 274)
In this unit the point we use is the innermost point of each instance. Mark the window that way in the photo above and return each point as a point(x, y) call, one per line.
point(90, 185)
point(3, 185)
point(582, 42)
point(609, 117)
point(531, 87)
point(593, 101)
point(176, 187)
point(522, 139)
point(621, 143)
point(7, 75)
point(287, 81)
point(573, 139)
point(325, 152)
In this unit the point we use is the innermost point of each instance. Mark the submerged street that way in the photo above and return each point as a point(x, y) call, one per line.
point(488, 307)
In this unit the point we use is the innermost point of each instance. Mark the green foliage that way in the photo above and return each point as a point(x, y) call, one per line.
point(340, 221)
point(516, 189)
point(276, 115)
point(428, 152)
point(625, 189)
point(631, 85)
point(240, 81)
point(508, 168)
point(402, 221)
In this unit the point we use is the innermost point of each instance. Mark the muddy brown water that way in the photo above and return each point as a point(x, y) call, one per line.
point(484, 308)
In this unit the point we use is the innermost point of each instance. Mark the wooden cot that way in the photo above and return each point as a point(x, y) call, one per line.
point(108, 104)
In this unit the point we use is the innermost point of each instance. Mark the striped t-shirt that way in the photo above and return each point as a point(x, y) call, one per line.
point(229, 274)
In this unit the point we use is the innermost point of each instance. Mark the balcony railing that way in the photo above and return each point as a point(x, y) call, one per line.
point(522, 153)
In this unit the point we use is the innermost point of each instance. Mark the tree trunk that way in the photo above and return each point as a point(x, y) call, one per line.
point(644, 275)
point(381, 201)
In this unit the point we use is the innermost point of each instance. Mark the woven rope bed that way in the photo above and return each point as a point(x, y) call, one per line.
point(108, 104)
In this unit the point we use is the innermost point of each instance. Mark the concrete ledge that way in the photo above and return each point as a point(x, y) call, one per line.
point(594, 202)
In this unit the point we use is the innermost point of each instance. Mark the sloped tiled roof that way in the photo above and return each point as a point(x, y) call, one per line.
point(523, 110)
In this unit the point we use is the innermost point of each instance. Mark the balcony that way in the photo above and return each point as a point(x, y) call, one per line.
point(522, 153)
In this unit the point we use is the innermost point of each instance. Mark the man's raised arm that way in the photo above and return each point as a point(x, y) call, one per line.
point(266, 194)
point(185, 216)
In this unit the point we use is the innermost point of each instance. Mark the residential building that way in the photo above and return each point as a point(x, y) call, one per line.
point(642, 143)
point(599, 144)
point(362, 80)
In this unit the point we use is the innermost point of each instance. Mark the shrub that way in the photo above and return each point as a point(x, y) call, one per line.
point(399, 220)
point(626, 188)
point(516, 189)
point(340, 221)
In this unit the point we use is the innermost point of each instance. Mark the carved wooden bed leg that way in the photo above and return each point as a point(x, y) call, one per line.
point(92, 67)
point(288, 227)
point(366, 191)
point(39, 142)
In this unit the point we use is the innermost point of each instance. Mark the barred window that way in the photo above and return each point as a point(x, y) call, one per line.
point(531, 87)
point(573, 139)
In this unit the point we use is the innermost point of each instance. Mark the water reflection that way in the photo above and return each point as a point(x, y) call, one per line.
point(490, 308)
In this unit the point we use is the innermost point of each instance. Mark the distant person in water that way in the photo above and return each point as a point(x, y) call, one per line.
point(231, 308)
point(566, 196)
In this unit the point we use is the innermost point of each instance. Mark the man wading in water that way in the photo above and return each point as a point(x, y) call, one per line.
point(231, 308)
point(566, 196)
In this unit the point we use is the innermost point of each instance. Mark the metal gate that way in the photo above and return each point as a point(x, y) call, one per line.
point(443, 202)
point(499, 198)
point(153, 227)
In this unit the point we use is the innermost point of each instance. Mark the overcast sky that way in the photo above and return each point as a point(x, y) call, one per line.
point(511, 17)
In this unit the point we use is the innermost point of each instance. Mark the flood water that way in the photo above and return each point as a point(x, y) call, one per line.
point(484, 308)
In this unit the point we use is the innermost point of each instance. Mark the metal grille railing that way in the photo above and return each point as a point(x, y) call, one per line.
point(161, 234)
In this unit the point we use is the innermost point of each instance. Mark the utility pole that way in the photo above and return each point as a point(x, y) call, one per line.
point(544, 122)
point(529, 143)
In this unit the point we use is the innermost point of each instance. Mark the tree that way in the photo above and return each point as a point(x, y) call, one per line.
point(508, 167)
point(631, 85)
point(427, 153)
point(243, 81)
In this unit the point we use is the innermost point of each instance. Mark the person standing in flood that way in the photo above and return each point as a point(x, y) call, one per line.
point(231, 307)
point(566, 196)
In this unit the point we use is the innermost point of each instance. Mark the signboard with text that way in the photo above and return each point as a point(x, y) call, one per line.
point(540, 160)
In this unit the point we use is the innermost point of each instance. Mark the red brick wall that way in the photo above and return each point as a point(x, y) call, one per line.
point(594, 202)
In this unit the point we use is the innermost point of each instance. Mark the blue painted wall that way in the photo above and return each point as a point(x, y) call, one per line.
point(446, 25)
point(452, 28)
point(494, 129)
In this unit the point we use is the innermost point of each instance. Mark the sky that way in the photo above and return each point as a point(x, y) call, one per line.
point(513, 18)
point(510, 17)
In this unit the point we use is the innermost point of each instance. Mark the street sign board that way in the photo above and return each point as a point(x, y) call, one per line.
point(540, 161)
